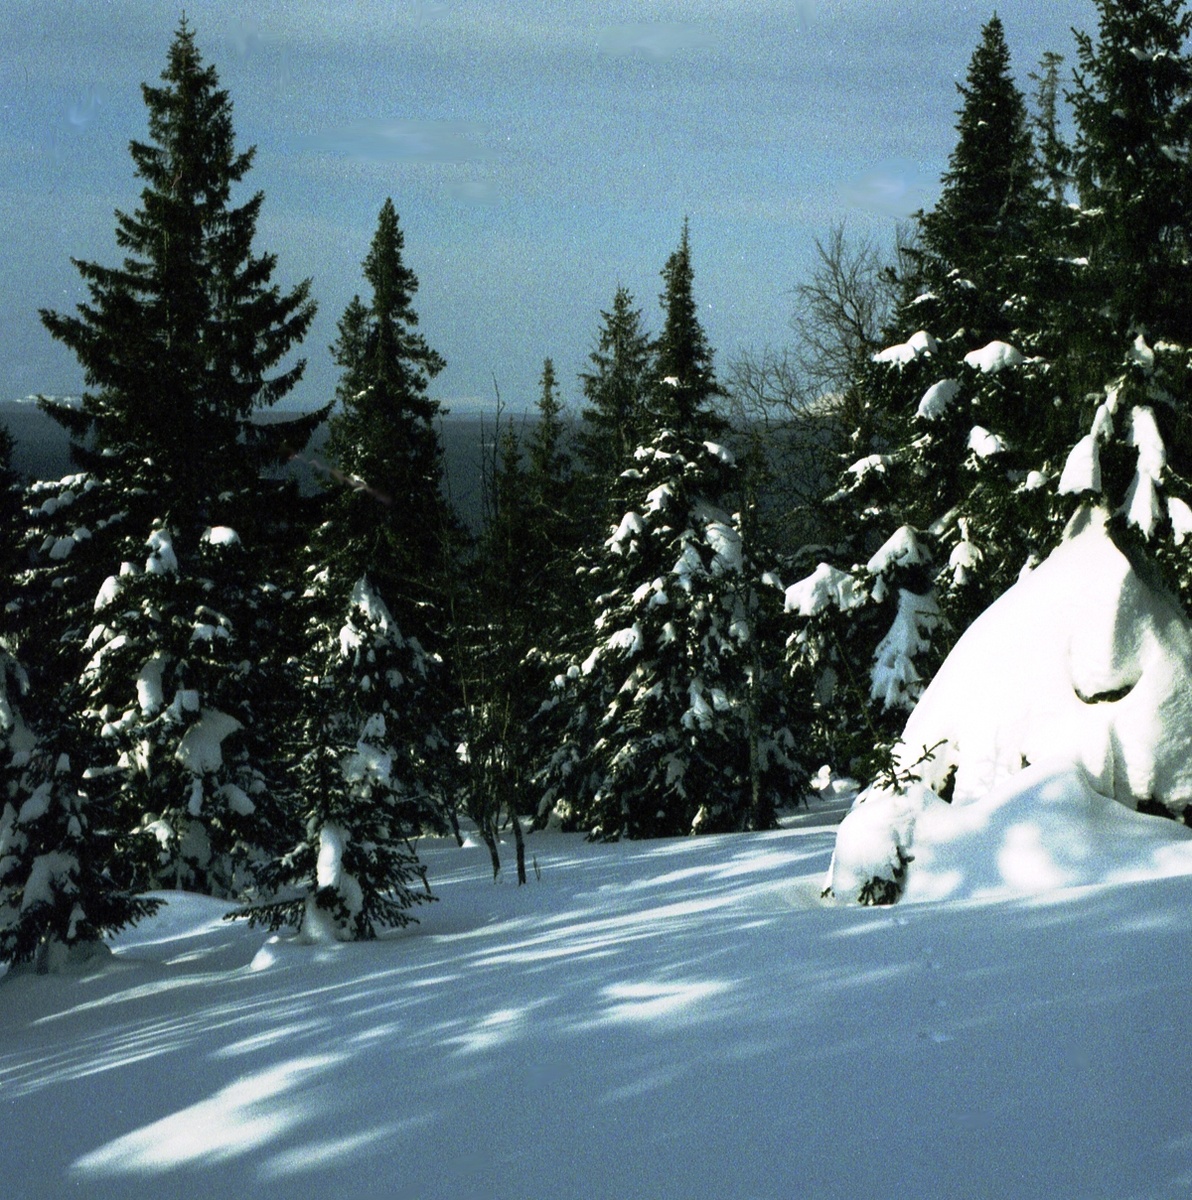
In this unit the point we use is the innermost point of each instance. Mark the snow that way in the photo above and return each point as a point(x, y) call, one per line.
point(1082, 469)
point(1079, 664)
point(161, 560)
point(994, 357)
point(902, 548)
point(1142, 506)
point(906, 352)
point(983, 443)
point(200, 750)
point(938, 399)
point(826, 585)
point(668, 1019)
point(894, 680)
point(221, 535)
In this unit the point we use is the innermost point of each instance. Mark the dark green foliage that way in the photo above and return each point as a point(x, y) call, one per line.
point(387, 511)
point(1132, 103)
point(177, 342)
point(613, 421)
point(682, 383)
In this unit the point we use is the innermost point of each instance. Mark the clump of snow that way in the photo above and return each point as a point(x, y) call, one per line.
point(221, 535)
point(983, 443)
point(1082, 468)
point(906, 352)
point(726, 547)
point(630, 526)
point(825, 586)
point(901, 549)
point(1080, 663)
point(894, 680)
point(871, 462)
point(107, 593)
point(149, 693)
point(1142, 505)
point(938, 399)
point(1181, 519)
point(161, 560)
point(994, 357)
point(200, 750)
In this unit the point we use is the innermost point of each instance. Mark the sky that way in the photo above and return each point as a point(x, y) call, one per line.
point(539, 156)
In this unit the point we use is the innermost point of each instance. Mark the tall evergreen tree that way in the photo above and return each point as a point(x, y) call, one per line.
point(1132, 104)
point(943, 493)
point(392, 521)
point(177, 346)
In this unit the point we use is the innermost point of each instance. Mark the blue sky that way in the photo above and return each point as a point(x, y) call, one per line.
point(539, 154)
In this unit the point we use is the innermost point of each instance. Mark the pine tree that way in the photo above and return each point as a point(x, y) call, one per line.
point(391, 522)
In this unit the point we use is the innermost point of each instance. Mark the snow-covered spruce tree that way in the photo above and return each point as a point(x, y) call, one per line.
point(362, 752)
point(959, 432)
point(386, 516)
point(668, 728)
point(182, 685)
point(1130, 361)
point(57, 896)
point(177, 345)
point(668, 725)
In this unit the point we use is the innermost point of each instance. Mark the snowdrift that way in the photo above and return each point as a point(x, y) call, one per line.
point(1065, 706)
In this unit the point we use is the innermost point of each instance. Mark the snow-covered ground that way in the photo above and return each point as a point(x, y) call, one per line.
point(650, 1019)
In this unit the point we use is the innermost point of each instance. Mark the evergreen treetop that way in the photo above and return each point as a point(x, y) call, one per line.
point(177, 343)
point(683, 383)
point(615, 390)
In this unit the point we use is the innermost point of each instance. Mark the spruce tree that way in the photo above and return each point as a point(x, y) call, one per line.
point(943, 494)
point(151, 569)
point(177, 342)
point(361, 752)
point(389, 519)
point(612, 422)
point(663, 722)
point(1132, 103)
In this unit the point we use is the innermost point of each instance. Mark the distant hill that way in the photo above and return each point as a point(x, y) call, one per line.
point(43, 452)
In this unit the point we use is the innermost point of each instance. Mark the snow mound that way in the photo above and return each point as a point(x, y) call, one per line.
point(1043, 829)
point(1081, 664)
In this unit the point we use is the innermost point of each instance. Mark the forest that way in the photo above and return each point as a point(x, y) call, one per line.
point(689, 605)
